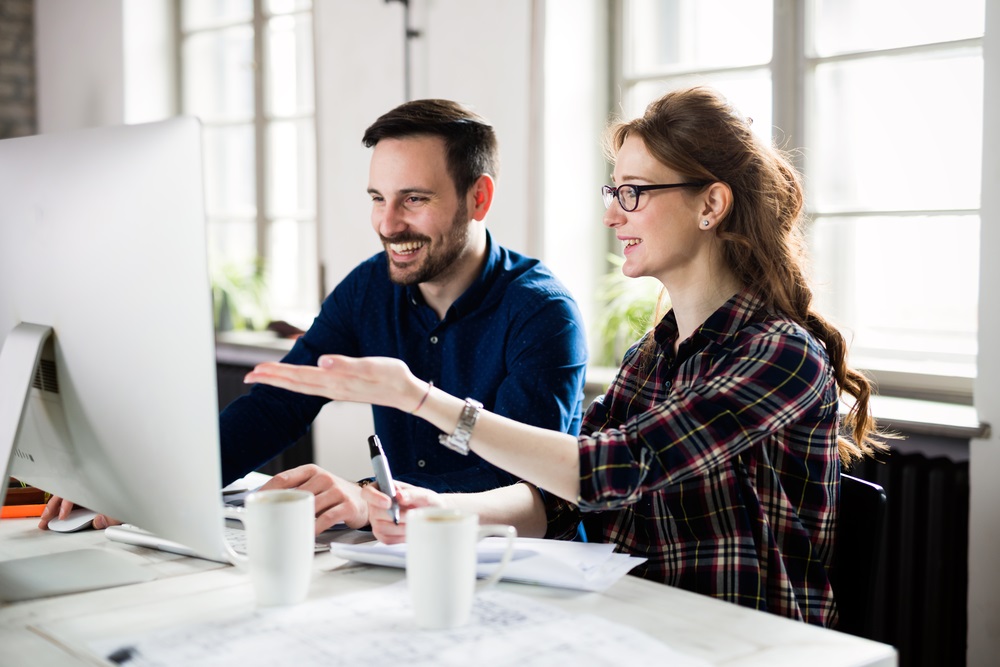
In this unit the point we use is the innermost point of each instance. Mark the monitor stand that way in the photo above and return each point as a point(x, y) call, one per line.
point(67, 572)
point(59, 573)
point(18, 360)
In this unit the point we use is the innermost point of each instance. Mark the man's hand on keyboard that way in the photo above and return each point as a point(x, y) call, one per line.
point(59, 508)
point(337, 500)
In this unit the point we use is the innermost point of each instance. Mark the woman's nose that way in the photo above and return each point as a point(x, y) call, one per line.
point(613, 215)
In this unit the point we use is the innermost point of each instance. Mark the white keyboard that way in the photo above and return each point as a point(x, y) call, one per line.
point(237, 538)
point(129, 534)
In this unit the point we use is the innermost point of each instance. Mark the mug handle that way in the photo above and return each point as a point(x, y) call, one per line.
point(239, 560)
point(498, 530)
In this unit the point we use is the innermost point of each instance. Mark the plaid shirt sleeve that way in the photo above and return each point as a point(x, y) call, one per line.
point(711, 414)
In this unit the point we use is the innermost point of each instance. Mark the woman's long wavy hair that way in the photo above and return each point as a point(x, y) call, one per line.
point(697, 133)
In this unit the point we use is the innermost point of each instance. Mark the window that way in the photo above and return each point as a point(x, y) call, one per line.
point(882, 102)
point(247, 73)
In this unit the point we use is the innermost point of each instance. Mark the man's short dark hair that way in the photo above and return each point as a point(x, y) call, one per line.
point(470, 142)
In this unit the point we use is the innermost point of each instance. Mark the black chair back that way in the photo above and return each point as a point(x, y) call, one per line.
point(858, 554)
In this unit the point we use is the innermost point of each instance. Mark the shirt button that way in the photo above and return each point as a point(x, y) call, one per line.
point(421, 463)
point(434, 340)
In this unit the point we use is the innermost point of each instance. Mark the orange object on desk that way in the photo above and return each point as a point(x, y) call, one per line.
point(20, 511)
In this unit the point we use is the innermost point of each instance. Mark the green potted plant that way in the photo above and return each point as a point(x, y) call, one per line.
point(239, 294)
point(628, 306)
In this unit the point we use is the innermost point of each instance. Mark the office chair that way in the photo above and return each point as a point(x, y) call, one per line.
point(858, 554)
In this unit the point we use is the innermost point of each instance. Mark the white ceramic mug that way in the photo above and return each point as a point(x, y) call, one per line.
point(280, 525)
point(441, 563)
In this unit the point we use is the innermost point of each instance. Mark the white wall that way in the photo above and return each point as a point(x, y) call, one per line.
point(473, 51)
point(103, 62)
point(984, 512)
point(576, 69)
point(80, 64)
point(150, 60)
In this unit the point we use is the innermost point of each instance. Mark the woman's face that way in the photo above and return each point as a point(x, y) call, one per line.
point(661, 237)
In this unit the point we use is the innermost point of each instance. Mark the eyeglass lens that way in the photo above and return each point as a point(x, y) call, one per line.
point(627, 195)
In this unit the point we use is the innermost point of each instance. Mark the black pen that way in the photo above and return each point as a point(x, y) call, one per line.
point(382, 475)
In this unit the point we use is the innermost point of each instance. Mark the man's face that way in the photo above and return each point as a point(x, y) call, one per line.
point(423, 223)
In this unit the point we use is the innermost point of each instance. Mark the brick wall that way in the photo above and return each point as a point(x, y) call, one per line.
point(17, 69)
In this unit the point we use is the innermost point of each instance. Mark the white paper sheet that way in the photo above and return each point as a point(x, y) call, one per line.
point(577, 565)
point(377, 627)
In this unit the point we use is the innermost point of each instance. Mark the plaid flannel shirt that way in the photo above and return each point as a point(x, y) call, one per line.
point(719, 465)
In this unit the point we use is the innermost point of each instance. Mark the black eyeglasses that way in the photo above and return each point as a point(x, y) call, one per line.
point(628, 194)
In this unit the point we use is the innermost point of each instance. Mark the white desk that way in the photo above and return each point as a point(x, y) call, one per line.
point(55, 631)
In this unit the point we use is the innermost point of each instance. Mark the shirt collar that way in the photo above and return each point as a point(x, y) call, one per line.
point(474, 295)
point(730, 318)
point(477, 292)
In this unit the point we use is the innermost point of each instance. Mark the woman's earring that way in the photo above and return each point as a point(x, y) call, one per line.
point(705, 223)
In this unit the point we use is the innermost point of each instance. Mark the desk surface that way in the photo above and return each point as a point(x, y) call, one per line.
point(55, 631)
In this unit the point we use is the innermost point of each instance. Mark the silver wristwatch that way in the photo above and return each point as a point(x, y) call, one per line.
point(459, 440)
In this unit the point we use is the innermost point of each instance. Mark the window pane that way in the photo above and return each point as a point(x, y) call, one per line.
point(289, 65)
point(749, 92)
point(905, 287)
point(285, 6)
point(897, 133)
point(232, 245)
point(229, 171)
point(236, 280)
point(218, 74)
point(844, 26)
point(291, 169)
point(292, 258)
point(204, 13)
point(665, 35)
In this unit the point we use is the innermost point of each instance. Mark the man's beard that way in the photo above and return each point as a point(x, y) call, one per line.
point(436, 263)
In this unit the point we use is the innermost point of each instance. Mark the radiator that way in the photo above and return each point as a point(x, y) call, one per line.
point(922, 596)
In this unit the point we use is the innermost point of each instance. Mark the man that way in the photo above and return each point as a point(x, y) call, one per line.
point(465, 314)
point(472, 317)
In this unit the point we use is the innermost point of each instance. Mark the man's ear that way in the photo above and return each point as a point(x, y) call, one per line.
point(482, 196)
point(718, 199)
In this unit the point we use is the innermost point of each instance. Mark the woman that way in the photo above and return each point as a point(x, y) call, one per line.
point(715, 453)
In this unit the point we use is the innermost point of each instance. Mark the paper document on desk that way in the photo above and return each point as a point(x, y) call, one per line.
point(378, 626)
point(586, 566)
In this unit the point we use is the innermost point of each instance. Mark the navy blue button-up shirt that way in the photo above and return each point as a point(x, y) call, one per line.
point(514, 341)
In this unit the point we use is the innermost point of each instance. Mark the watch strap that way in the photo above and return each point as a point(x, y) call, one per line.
point(459, 440)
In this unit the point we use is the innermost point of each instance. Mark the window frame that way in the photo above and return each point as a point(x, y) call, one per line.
point(792, 67)
point(261, 122)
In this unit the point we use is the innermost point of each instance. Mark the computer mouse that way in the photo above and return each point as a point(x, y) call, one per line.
point(77, 519)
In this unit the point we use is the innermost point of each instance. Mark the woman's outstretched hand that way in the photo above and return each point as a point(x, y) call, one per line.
point(373, 380)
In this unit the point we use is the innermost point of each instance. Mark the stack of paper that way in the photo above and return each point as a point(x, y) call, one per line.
point(580, 565)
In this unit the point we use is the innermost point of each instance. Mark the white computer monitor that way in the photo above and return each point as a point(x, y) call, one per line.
point(104, 283)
